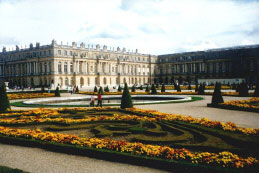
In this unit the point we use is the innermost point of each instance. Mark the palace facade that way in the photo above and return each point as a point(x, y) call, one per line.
point(62, 65)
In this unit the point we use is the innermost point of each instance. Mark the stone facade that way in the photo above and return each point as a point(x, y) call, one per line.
point(62, 65)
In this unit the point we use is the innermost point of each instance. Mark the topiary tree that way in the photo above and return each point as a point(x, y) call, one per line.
point(119, 88)
point(163, 88)
point(101, 90)
point(217, 97)
point(201, 89)
point(106, 89)
point(178, 88)
point(256, 93)
point(77, 89)
point(153, 89)
point(42, 89)
point(147, 89)
point(57, 92)
point(126, 101)
point(4, 102)
point(95, 89)
point(141, 87)
point(133, 88)
point(157, 85)
point(196, 87)
point(243, 90)
point(189, 87)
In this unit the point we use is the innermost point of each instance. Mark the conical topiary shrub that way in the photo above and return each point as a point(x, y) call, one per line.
point(57, 92)
point(243, 90)
point(147, 89)
point(153, 89)
point(141, 87)
point(163, 88)
point(196, 87)
point(119, 88)
point(4, 102)
point(43, 89)
point(77, 89)
point(157, 85)
point(101, 90)
point(95, 89)
point(256, 93)
point(133, 88)
point(201, 89)
point(217, 97)
point(106, 89)
point(178, 88)
point(189, 87)
point(126, 101)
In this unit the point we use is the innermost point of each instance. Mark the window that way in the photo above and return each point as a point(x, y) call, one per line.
point(59, 52)
point(65, 52)
point(65, 67)
point(71, 67)
point(71, 53)
point(59, 67)
point(49, 52)
point(45, 67)
point(50, 67)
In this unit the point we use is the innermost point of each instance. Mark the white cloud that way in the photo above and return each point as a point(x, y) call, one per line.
point(152, 26)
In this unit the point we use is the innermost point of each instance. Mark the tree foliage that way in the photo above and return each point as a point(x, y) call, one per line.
point(163, 88)
point(4, 102)
point(217, 97)
point(153, 89)
point(57, 92)
point(126, 100)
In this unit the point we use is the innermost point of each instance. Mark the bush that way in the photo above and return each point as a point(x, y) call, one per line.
point(157, 85)
point(95, 89)
point(106, 89)
point(147, 89)
point(196, 87)
point(43, 89)
point(57, 92)
point(119, 88)
point(201, 89)
point(189, 87)
point(126, 101)
point(153, 89)
point(4, 102)
point(178, 88)
point(217, 97)
point(243, 90)
point(163, 88)
point(133, 89)
point(77, 89)
point(256, 93)
point(141, 87)
point(101, 90)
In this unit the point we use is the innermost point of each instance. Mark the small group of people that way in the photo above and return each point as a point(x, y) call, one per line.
point(99, 99)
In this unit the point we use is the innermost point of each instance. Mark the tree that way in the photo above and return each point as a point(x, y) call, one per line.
point(77, 89)
point(256, 93)
point(42, 89)
point(107, 89)
point(201, 89)
point(95, 89)
point(147, 89)
point(153, 89)
point(189, 87)
point(163, 88)
point(217, 97)
point(101, 90)
point(126, 100)
point(133, 89)
point(196, 87)
point(119, 88)
point(4, 102)
point(57, 92)
point(157, 85)
point(178, 88)
point(141, 87)
point(243, 90)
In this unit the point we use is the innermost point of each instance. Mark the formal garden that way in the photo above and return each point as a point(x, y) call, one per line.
point(137, 136)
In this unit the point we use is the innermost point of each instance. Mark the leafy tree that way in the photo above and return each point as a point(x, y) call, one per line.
point(256, 93)
point(95, 89)
point(57, 92)
point(133, 88)
point(101, 90)
point(153, 89)
point(217, 97)
point(4, 102)
point(147, 89)
point(126, 100)
point(163, 88)
point(119, 88)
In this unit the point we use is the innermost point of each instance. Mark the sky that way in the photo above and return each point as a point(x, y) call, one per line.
point(151, 26)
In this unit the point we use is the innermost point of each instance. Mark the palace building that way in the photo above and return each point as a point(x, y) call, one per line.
point(62, 65)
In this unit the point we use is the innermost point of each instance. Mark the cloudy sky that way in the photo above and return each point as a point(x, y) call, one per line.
point(152, 26)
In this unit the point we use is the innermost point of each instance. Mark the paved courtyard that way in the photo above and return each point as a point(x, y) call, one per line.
point(39, 160)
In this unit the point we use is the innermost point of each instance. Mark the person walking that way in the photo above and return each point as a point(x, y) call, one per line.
point(92, 101)
point(99, 100)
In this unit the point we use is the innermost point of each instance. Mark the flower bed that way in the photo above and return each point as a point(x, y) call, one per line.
point(15, 96)
point(70, 116)
point(244, 105)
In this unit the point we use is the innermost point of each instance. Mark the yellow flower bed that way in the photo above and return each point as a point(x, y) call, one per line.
point(246, 104)
point(222, 159)
point(28, 95)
